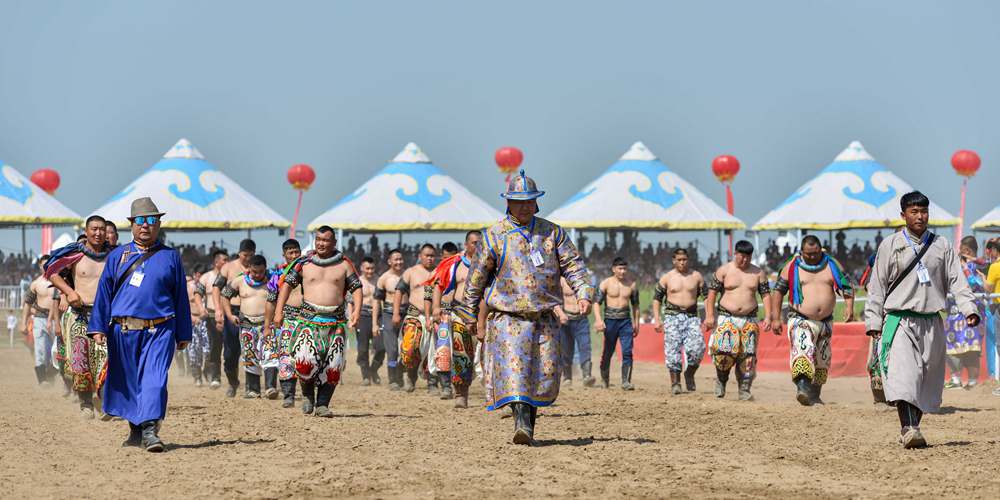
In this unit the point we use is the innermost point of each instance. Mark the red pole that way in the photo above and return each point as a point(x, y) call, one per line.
point(731, 209)
point(295, 219)
point(961, 213)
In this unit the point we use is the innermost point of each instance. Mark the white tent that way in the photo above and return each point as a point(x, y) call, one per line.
point(988, 222)
point(640, 192)
point(854, 191)
point(63, 240)
point(409, 194)
point(194, 194)
point(22, 202)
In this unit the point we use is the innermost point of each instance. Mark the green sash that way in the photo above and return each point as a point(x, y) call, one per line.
point(889, 332)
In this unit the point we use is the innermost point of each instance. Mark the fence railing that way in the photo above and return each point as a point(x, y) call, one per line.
point(10, 297)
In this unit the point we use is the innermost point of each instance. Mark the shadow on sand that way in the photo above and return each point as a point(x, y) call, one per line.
point(590, 440)
point(215, 442)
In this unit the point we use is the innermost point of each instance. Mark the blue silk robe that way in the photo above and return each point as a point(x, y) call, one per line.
point(138, 361)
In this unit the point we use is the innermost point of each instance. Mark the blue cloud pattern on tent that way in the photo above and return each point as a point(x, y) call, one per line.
point(421, 174)
point(864, 170)
point(18, 193)
point(193, 170)
point(651, 170)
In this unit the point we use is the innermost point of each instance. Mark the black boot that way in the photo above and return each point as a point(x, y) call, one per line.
point(675, 383)
point(627, 378)
point(567, 375)
point(365, 376)
point(689, 377)
point(150, 441)
point(445, 380)
point(395, 378)
point(40, 374)
point(308, 392)
point(432, 385)
point(803, 391)
point(373, 374)
point(721, 377)
point(134, 436)
point(271, 383)
point(588, 380)
point(523, 431)
point(745, 390)
point(86, 404)
point(324, 393)
point(606, 377)
point(816, 390)
point(253, 386)
point(288, 389)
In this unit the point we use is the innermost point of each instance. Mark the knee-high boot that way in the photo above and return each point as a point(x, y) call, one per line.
point(308, 392)
point(324, 393)
point(288, 389)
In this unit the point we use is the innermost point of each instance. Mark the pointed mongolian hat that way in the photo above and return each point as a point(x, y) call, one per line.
point(522, 188)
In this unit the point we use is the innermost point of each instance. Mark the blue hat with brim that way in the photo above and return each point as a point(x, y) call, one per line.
point(522, 188)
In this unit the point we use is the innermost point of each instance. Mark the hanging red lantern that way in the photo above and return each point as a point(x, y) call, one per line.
point(508, 159)
point(301, 176)
point(47, 179)
point(965, 162)
point(725, 168)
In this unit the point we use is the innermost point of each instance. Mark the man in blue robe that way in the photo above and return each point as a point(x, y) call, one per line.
point(143, 314)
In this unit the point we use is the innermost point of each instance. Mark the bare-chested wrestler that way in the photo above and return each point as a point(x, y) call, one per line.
point(291, 251)
point(197, 350)
point(439, 365)
point(227, 319)
point(734, 333)
point(574, 331)
point(367, 337)
point(812, 281)
point(75, 270)
point(620, 296)
point(213, 362)
point(676, 297)
point(411, 286)
point(259, 351)
point(386, 321)
point(318, 344)
point(37, 321)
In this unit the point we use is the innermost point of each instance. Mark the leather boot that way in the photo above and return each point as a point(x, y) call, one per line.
point(567, 375)
point(689, 377)
point(134, 436)
point(523, 432)
point(721, 378)
point(816, 390)
point(150, 441)
point(534, 418)
point(462, 396)
point(606, 377)
point(675, 383)
point(627, 378)
point(253, 386)
point(445, 381)
point(410, 383)
point(86, 404)
point(288, 389)
point(40, 374)
point(394, 376)
point(373, 374)
point(324, 393)
point(745, 391)
point(271, 383)
point(803, 391)
point(365, 377)
point(588, 380)
point(308, 392)
point(432, 385)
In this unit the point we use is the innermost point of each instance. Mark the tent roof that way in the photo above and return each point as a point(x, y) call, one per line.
point(194, 194)
point(22, 202)
point(640, 192)
point(409, 194)
point(854, 191)
point(988, 222)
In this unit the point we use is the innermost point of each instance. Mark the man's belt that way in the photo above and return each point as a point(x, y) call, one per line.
point(413, 311)
point(669, 308)
point(366, 310)
point(251, 321)
point(82, 312)
point(290, 311)
point(750, 315)
point(388, 307)
point(617, 312)
point(129, 323)
point(40, 312)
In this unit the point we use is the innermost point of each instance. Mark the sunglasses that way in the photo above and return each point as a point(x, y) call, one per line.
point(145, 219)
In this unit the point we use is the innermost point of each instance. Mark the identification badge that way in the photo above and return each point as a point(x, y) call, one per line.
point(136, 279)
point(536, 258)
point(923, 275)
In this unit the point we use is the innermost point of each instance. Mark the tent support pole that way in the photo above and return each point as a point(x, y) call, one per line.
point(756, 242)
point(399, 241)
point(24, 240)
point(340, 240)
point(718, 243)
point(249, 234)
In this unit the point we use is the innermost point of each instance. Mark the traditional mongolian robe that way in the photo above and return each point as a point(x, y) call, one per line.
point(143, 323)
point(517, 275)
point(912, 350)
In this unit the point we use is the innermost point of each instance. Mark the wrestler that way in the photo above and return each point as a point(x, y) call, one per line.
point(619, 295)
point(386, 322)
point(411, 286)
point(38, 304)
point(676, 298)
point(213, 363)
point(227, 319)
point(259, 350)
point(290, 251)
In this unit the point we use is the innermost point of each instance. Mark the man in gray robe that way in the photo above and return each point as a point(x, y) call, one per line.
point(905, 314)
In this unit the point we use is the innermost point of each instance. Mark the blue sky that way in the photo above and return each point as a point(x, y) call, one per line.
point(100, 90)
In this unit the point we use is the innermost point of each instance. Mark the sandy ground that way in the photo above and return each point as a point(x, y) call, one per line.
point(595, 443)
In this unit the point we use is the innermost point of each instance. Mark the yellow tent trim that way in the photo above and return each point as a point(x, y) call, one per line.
point(24, 219)
point(857, 224)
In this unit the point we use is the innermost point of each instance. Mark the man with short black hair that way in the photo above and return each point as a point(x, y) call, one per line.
point(259, 350)
point(291, 251)
point(913, 273)
point(227, 319)
point(734, 335)
point(619, 294)
point(383, 314)
point(365, 336)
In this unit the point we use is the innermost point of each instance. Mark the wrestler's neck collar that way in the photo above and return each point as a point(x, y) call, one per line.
point(334, 258)
point(95, 254)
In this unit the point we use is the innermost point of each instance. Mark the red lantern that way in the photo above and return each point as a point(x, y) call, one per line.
point(47, 179)
point(965, 162)
point(725, 168)
point(301, 176)
point(508, 159)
